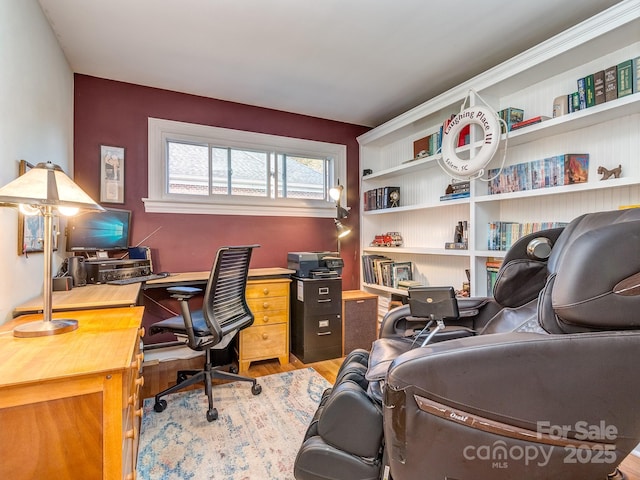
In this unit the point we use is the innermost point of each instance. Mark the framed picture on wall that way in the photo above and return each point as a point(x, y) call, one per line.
point(31, 227)
point(111, 174)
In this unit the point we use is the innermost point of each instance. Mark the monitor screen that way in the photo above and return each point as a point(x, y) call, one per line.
point(98, 231)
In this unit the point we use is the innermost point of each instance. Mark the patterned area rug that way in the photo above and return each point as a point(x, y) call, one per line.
point(254, 437)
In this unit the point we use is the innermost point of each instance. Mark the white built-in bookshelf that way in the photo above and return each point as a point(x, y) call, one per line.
point(609, 133)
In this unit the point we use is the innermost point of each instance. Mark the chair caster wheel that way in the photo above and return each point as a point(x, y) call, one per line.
point(212, 415)
point(160, 406)
point(181, 377)
point(233, 369)
point(256, 389)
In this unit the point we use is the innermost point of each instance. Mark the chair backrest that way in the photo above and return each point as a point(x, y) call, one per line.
point(224, 305)
point(593, 279)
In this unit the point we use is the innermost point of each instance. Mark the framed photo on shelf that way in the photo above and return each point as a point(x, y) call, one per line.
point(31, 227)
point(111, 174)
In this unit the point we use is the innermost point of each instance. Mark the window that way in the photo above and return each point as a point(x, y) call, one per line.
point(200, 169)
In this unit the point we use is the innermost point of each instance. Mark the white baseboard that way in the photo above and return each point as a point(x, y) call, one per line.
point(636, 451)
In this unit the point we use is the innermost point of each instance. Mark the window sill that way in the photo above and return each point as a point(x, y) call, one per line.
point(188, 207)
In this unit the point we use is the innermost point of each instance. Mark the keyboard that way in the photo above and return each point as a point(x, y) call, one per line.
point(142, 278)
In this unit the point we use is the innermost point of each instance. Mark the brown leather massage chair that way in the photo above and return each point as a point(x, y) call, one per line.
point(538, 382)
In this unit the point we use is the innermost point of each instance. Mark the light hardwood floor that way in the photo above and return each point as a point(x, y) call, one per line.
point(162, 375)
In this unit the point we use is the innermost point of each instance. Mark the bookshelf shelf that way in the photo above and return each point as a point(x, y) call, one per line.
point(416, 251)
point(608, 132)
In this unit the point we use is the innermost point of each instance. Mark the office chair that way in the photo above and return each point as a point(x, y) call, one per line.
point(224, 313)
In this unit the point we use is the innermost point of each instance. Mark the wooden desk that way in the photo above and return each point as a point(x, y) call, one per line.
point(87, 297)
point(69, 404)
point(201, 278)
point(268, 299)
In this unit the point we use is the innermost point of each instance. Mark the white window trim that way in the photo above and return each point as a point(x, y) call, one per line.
point(159, 201)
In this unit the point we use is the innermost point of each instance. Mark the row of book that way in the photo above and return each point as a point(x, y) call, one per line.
point(511, 116)
point(460, 189)
point(602, 86)
point(502, 235)
point(567, 169)
point(382, 197)
point(432, 144)
point(381, 270)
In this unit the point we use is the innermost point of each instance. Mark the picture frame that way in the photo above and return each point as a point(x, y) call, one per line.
point(111, 174)
point(31, 228)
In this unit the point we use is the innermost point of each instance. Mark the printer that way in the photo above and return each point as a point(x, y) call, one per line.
point(315, 264)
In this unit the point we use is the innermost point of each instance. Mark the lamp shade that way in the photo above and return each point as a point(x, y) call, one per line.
point(46, 187)
point(343, 230)
point(47, 184)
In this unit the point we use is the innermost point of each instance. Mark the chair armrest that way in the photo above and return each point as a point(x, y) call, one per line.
point(184, 293)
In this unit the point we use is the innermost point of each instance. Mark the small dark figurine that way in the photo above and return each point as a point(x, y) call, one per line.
point(608, 173)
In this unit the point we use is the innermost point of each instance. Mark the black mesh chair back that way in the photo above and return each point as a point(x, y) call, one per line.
point(225, 306)
point(223, 314)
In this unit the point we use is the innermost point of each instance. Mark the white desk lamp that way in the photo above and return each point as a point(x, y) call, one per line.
point(39, 191)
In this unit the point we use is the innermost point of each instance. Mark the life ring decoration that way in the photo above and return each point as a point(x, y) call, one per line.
point(490, 126)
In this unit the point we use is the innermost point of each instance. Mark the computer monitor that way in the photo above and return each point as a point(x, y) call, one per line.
point(99, 231)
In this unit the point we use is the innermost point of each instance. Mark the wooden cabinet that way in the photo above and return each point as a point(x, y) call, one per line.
point(359, 320)
point(608, 132)
point(268, 337)
point(69, 403)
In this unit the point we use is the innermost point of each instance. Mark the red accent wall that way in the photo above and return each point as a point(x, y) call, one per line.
point(113, 113)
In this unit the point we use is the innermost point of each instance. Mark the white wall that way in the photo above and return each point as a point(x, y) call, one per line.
point(36, 124)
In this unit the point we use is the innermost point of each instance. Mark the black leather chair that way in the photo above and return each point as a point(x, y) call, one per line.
point(557, 399)
point(224, 313)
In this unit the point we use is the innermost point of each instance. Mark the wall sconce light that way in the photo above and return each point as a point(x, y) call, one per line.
point(41, 190)
point(336, 195)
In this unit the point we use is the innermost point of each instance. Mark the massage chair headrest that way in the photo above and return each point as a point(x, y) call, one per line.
point(594, 281)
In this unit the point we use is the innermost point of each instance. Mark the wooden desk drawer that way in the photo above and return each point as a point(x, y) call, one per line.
point(267, 304)
point(270, 318)
point(268, 289)
point(266, 341)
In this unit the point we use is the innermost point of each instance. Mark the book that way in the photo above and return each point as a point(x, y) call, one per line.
point(582, 95)
point(576, 168)
point(454, 196)
point(406, 284)
point(625, 77)
point(598, 87)
point(611, 83)
point(529, 121)
point(574, 104)
point(589, 90)
point(510, 115)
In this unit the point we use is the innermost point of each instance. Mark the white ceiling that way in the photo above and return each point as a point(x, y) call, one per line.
point(357, 61)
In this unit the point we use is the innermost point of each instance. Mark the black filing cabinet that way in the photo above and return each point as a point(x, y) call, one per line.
point(316, 318)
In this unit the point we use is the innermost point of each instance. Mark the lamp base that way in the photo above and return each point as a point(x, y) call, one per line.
point(43, 328)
